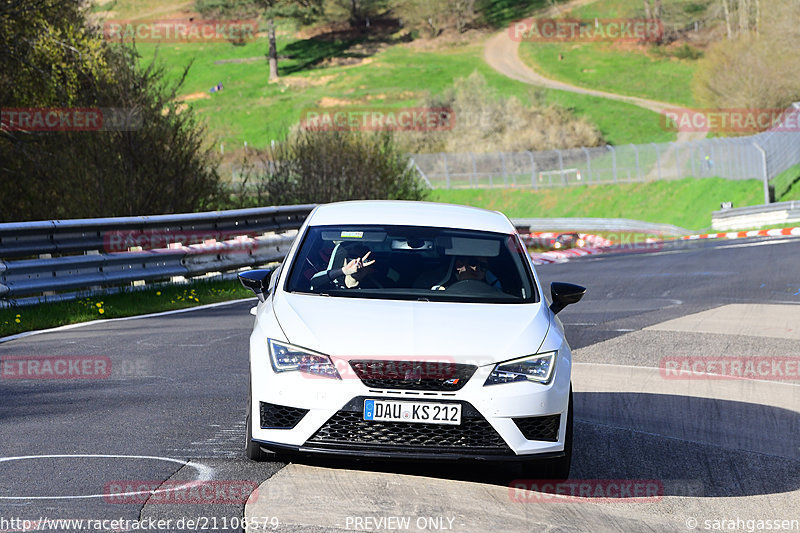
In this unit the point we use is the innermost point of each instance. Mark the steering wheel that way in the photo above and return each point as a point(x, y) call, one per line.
point(470, 286)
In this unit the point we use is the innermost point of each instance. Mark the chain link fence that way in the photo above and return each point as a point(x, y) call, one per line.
point(762, 156)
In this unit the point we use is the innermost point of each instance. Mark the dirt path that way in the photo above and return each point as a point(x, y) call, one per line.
point(502, 54)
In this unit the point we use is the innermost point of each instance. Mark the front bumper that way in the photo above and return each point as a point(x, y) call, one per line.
point(498, 421)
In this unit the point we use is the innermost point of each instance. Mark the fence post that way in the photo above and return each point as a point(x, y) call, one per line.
point(412, 163)
point(613, 162)
point(588, 165)
point(561, 167)
point(533, 169)
point(764, 174)
point(658, 160)
point(638, 169)
point(446, 171)
point(505, 172)
point(474, 176)
point(677, 160)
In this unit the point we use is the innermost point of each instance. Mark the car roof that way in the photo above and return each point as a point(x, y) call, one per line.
point(407, 213)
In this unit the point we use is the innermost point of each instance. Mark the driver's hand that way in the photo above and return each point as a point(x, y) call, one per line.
point(354, 265)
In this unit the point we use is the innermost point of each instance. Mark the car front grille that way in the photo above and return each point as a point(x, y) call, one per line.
point(539, 427)
point(348, 429)
point(275, 416)
point(413, 375)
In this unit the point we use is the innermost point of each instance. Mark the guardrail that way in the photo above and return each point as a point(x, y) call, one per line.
point(95, 254)
point(756, 216)
point(43, 261)
point(623, 225)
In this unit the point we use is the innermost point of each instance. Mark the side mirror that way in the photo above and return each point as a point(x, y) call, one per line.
point(564, 294)
point(256, 281)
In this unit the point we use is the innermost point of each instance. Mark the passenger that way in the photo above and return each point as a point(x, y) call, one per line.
point(356, 268)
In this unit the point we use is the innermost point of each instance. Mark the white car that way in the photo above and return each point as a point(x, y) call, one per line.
point(409, 330)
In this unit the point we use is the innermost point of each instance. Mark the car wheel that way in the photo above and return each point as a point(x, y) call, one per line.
point(252, 449)
point(555, 469)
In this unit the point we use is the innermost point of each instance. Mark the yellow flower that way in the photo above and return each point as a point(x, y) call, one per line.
point(98, 304)
point(17, 320)
point(158, 293)
point(101, 311)
point(19, 316)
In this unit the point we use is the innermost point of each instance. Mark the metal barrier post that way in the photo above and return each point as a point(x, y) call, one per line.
point(764, 175)
point(613, 162)
point(588, 165)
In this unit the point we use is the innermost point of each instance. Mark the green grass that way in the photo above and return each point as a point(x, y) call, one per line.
point(251, 109)
point(606, 67)
point(166, 297)
point(787, 184)
point(610, 67)
point(686, 203)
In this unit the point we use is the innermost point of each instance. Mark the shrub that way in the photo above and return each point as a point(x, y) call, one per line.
point(485, 122)
point(321, 166)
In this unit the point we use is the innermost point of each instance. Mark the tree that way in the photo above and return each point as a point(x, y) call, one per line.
point(753, 70)
point(269, 10)
point(156, 163)
point(358, 13)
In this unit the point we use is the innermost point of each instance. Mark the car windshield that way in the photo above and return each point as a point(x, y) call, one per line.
point(412, 263)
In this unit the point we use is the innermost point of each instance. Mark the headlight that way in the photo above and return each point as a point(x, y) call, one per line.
point(287, 358)
point(538, 368)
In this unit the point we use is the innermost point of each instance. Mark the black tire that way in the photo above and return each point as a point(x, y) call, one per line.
point(555, 469)
point(252, 449)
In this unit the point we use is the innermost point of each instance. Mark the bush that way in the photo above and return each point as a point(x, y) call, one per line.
point(754, 71)
point(687, 52)
point(157, 163)
point(484, 122)
point(320, 167)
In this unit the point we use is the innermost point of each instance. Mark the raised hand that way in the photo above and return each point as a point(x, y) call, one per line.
point(354, 265)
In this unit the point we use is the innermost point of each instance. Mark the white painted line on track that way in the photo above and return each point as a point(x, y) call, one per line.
point(760, 243)
point(136, 317)
point(205, 473)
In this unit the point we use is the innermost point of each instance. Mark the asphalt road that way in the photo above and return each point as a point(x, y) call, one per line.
point(172, 410)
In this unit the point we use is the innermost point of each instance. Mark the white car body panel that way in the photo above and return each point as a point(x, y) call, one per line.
point(344, 328)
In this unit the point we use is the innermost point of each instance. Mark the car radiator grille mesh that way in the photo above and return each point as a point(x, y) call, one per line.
point(413, 375)
point(348, 429)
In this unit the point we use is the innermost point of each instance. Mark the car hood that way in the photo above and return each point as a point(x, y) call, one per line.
point(460, 332)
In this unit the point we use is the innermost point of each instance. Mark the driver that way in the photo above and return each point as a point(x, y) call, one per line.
point(476, 269)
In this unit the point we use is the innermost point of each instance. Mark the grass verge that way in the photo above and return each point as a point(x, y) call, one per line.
point(252, 110)
point(163, 298)
point(686, 203)
point(607, 67)
point(787, 184)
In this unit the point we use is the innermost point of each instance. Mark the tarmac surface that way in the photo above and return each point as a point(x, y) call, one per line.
point(716, 449)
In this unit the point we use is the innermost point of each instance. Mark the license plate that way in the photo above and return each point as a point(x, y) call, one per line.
point(420, 412)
